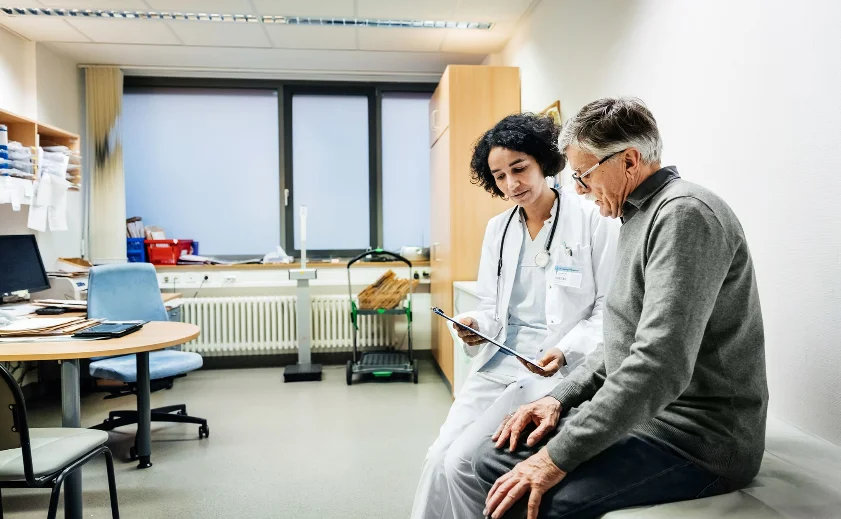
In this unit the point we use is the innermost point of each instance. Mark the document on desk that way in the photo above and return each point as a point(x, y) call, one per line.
point(38, 324)
point(47, 327)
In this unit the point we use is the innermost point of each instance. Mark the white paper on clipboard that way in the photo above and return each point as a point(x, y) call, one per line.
point(505, 349)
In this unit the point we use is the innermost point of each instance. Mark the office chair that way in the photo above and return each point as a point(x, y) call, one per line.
point(43, 458)
point(131, 292)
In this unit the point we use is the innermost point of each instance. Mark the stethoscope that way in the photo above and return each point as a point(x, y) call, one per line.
point(541, 259)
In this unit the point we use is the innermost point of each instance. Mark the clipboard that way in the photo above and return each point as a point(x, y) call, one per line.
point(504, 349)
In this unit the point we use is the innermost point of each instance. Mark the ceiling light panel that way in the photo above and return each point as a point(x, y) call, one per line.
point(242, 18)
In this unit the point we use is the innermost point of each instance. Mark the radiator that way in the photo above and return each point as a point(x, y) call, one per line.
point(266, 325)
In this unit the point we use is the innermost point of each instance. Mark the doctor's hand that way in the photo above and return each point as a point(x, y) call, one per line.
point(544, 413)
point(551, 363)
point(469, 338)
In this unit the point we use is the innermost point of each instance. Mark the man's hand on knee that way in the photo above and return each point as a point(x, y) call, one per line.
point(543, 413)
point(534, 476)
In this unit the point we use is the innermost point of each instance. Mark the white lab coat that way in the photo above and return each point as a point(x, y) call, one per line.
point(573, 315)
point(447, 486)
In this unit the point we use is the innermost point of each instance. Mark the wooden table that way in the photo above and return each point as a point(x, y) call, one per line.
point(153, 336)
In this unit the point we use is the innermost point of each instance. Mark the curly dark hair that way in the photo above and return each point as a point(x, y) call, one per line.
point(532, 134)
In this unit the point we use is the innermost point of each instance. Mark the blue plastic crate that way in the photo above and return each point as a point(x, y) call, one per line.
point(136, 250)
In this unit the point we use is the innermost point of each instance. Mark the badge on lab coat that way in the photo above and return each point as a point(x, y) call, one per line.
point(567, 277)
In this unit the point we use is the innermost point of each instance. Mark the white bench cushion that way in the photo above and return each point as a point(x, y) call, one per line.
point(800, 477)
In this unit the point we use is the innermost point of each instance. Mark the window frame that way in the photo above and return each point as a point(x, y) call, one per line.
point(285, 90)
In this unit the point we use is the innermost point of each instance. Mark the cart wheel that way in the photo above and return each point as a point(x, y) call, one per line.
point(415, 371)
point(204, 431)
point(349, 373)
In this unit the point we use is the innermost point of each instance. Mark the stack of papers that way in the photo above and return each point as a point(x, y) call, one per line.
point(134, 227)
point(80, 305)
point(74, 305)
point(46, 327)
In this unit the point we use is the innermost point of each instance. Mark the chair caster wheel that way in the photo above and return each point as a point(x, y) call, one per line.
point(132, 453)
point(182, 413)
point(204, 431)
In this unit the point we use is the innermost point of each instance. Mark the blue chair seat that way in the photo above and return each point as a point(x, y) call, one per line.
point(162, 364)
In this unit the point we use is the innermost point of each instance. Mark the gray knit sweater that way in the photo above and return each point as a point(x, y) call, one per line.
point(683, 361)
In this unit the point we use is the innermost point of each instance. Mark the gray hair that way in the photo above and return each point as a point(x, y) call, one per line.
point(612, 124)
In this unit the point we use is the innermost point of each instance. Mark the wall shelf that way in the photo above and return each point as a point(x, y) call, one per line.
point(33, 134)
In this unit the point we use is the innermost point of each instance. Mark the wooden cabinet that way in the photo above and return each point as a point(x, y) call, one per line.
point(469, 100)
point(439, 110)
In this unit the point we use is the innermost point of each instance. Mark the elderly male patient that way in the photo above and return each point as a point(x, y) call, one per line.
point(673, 406)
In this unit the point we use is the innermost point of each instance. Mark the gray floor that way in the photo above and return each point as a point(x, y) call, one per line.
point(304, 450)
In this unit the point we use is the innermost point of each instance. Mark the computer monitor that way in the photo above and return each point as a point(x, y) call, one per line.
point(21, 266)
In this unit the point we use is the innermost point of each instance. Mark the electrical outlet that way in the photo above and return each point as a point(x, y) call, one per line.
point(230, 278)
point(176, 280)
point(191, 279)
point(166, 280)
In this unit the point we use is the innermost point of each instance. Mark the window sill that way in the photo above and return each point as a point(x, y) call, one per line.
point(287, 266)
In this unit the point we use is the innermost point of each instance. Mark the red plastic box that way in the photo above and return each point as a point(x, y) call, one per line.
point(167, 252)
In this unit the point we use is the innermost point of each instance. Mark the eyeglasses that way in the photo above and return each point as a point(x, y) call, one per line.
point(578, 178)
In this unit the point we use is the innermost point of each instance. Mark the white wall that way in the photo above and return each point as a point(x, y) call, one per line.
point(58, 81)
point(746, 95)
point(38, 83)
point(17, 75)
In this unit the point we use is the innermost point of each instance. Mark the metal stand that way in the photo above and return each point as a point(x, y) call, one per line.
point(304, 370)
point(144, 413)
point(70, 417)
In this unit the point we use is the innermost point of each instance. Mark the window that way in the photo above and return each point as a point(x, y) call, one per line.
point(405, 159)
point(203, 164)
point(331, 171)
point(230, 162)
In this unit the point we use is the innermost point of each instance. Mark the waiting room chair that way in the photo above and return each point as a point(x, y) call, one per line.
point(131, 292)
point(43, 458)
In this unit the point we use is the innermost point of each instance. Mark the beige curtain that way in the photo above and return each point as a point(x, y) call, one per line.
point(107, 223)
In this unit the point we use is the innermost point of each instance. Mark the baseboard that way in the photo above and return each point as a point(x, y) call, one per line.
point(285, 359)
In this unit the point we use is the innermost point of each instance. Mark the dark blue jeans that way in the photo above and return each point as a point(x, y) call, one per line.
point(632, 472)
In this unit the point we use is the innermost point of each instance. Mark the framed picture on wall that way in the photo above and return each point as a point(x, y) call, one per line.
point(554, 111)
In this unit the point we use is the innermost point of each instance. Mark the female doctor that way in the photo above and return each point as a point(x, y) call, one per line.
point(543, 275)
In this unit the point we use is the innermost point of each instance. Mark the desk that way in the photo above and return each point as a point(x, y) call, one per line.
point(169, 296)
point(153, 336)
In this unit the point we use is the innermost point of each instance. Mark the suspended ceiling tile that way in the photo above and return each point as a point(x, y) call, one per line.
point(492, 10)
point(407, 10)
point(21, 3)
point(324, 8)
point(411, 40)
point(220, 34)
point(126, 31)
point(202, 6)
point(312, 37)
point(321, 63)
point(114, 5)
point(41, 28)
point(477, 42)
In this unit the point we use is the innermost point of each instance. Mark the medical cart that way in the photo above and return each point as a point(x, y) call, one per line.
point(382, 363)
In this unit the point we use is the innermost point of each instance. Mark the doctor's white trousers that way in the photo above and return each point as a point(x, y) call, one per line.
point(448, 487)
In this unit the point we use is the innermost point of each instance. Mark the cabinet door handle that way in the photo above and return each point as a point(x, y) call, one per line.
point(435, 251)
point(434, 120)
